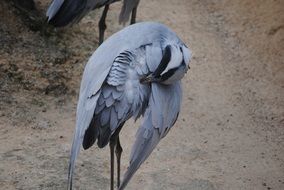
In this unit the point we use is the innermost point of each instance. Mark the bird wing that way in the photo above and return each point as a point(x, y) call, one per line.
point(122, 96)
point(162, 113)
point(85, 111)
point(104, 80)
point(98, 68)
point(94, 75)
point(63, 12)
point(53, 8)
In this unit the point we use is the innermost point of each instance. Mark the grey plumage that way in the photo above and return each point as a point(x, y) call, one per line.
point(121, 81)
point(163, 110)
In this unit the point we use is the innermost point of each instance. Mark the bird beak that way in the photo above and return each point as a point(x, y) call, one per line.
point(147, 79)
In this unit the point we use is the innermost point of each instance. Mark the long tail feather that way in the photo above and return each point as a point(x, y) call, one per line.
point(147, 138)
point(84, 118)
point(64, 12)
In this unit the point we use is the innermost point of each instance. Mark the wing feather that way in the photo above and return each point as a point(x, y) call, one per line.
point(109, 101)
point(120, 94)
point(53, 8)
point(94, 75)
point(63, 12)
point(163, 99)
point(99, 108)
point(116, 94)
point(113, 119)
point(104, 118)
point(98, 68)
point(106, 92)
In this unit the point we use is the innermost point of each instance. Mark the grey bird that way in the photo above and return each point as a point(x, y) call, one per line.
point(135, 72)
point(63, 12)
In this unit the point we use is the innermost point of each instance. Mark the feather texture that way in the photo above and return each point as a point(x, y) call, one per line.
point(111, 92)
point(61, 13)
point(165, 100)
point(116, 106)
point(53, 8)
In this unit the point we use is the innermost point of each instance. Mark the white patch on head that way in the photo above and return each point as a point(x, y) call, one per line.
point(176, 59)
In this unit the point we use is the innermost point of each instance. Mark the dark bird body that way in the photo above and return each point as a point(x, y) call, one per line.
point(64, 12)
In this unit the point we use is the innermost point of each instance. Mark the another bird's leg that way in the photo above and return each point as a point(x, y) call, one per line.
point(102, 24)
point(112, 145)
point(133, 16)
point(118, 151)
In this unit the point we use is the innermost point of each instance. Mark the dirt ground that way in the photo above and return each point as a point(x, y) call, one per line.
point(230, 133)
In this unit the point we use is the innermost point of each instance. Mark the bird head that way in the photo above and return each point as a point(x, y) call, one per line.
point(173, 66)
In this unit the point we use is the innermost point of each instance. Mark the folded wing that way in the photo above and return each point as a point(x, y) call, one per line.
point(163, 110)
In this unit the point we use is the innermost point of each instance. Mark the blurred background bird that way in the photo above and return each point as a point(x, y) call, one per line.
point(63, 12)
point(136, 72)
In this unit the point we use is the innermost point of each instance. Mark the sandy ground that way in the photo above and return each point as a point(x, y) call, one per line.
point(230, 133)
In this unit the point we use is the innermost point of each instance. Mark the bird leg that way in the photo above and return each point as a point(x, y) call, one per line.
point(133, 16)
point(102, 25)
point(115, 143)
point(118, 152)
point(112, 145)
